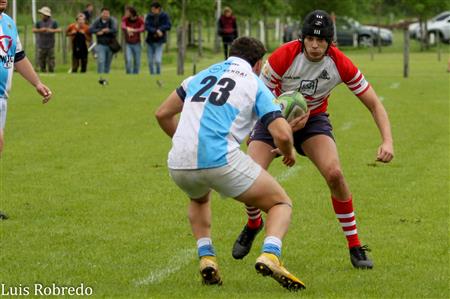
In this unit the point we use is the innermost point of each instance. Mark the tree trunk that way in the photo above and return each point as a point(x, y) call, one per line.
point(266, 32)
point(181, 50)
point(167, 47)
point(438, 46)
point(216, 26)
point(200, 39)
point(422, 34)
point(181, 40)
point(379, 27)
point(64, 48)
point(191, 34)
point(262, 33)
point(277, 29)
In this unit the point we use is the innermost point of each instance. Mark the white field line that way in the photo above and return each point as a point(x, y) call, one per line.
point(395, 85)
point(287, 173)
point(178, 261)
point(346, 126)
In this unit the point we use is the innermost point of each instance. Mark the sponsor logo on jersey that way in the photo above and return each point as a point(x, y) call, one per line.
point(215, 69)
point(324, 75)
point(308, 87)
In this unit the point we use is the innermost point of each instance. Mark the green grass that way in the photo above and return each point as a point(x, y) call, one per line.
point(85, 182)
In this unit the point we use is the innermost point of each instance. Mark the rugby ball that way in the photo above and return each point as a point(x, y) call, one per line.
point(292, 104)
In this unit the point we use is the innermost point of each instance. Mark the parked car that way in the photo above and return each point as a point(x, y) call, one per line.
point(351, 33)
point(386, 36)
point(346, 32)
point(442, 28)
point(414, 28)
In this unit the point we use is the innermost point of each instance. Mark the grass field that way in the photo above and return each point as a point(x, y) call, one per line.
point(85, 182)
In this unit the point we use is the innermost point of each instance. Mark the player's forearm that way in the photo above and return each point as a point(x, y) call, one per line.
point(282, 135)
point(379, 114)
point(382, 120)
point(168, 125)
point(25, 69)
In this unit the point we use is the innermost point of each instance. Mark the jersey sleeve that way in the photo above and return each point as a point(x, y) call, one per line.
point(182, 89)
point(349, 73)
point(20, 53)
point(278, 63)
point(264, 102)
point(19, 47)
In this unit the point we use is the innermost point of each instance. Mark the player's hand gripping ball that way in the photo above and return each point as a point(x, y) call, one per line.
point(292, 104)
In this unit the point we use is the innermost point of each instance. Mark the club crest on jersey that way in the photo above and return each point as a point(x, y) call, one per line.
point(324, 75)
point(5, 43)
point(308, 87)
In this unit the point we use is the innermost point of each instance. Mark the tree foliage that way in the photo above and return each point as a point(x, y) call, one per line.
point(252, 9)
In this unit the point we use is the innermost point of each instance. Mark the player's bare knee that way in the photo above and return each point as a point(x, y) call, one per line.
point(334, 177)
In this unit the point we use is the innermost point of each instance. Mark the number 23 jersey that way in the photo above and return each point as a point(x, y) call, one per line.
point(221, 105)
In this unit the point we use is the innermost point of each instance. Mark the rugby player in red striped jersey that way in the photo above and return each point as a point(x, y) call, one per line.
point(313, 65)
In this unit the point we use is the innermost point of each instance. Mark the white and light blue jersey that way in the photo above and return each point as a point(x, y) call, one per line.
point(221, 106)
point(9, 46)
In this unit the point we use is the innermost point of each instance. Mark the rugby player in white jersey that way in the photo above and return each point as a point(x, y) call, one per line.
point(219, 107)
point(12, 56)
point(314, 66)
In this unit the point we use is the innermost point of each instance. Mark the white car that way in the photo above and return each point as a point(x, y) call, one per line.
point(414, 28)
point(440, 28)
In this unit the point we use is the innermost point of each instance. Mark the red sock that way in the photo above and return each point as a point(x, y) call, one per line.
point(346, 216)
point(254, 217)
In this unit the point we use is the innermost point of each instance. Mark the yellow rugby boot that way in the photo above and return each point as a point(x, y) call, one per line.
point(268, 264)
point(209, 270)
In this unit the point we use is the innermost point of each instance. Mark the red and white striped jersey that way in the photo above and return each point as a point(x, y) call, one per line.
point(288, 69)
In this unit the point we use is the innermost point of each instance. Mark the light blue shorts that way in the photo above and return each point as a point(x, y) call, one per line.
point(3, 108)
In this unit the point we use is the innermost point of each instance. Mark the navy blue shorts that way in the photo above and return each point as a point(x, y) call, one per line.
point(316, 125)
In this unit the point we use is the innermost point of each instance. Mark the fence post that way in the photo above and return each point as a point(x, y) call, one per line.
point(438, 45)
point(25, 38)
point(406, 52)
point(64, 48)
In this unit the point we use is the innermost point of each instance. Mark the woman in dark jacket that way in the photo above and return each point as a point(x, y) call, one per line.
point(227, 29)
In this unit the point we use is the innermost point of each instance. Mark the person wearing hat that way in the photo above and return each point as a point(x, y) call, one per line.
point(45, 30)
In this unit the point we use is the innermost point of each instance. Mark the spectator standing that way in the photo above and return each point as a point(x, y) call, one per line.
point(105, 28)
point(45, 30)
point(80, 36)
point(88, 12)
point(132, 26)
point(227, 29)
point(157, 23)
